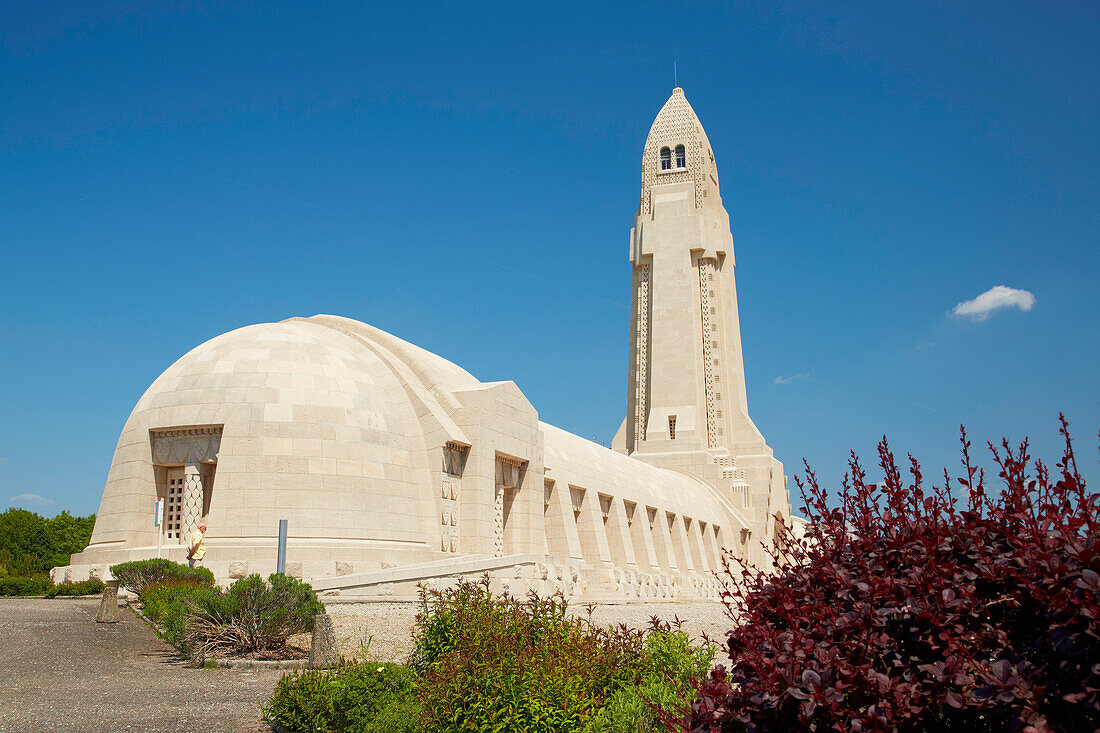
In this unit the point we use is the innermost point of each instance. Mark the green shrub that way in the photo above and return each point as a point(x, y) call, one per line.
point(368, 697)
point(166, 603)
point(37, 585)
point(137, 574)
point(252, 617)
point(671, 663)
point(82, 588)
point(490, 662)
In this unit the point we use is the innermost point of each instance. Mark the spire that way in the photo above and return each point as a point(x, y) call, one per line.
point(676, 150)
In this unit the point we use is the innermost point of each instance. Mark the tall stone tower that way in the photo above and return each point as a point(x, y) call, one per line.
point(686, 402)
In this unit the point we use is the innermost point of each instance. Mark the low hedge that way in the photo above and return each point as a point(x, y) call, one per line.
point(41, 585)
point(36, 585)
point(82, 588)
point(137, 574)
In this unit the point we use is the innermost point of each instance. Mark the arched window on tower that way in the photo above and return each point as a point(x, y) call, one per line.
point(681, 157)
point(666, 159)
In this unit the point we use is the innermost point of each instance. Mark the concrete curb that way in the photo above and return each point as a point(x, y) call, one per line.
point(262, 663)
point(143, 617)
point(54, 598)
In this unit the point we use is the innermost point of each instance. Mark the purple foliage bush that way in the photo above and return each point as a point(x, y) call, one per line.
point(907, 609)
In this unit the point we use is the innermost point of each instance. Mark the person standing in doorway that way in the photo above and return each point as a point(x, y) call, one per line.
point(196, 549)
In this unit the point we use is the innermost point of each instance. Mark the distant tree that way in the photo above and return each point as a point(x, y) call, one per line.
point(23, 542)
point(31, 544)
point(66, 535)
point(906, 609)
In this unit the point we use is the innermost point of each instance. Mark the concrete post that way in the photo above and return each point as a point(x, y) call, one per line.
point(322, 648)
point(108, 604)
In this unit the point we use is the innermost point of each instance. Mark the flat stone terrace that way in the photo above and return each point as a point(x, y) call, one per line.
point(61, 671)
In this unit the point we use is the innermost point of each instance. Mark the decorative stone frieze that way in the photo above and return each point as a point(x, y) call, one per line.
point(180, 446)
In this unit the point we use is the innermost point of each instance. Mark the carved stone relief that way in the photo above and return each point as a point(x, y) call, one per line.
point(181, 446)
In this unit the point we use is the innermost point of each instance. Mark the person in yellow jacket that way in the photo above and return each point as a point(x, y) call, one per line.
point(196, 548)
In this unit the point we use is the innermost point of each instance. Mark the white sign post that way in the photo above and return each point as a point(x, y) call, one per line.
point(158, 517)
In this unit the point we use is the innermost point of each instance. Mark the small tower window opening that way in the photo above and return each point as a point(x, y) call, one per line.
point(681, 157)
point(666, 159)
point(672, 427)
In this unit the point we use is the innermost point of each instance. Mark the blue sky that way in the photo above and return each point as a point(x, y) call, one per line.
point(465, 177)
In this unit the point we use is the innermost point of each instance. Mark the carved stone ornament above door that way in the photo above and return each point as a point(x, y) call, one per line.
point(182, 446)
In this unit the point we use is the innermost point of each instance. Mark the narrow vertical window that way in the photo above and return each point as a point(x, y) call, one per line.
point(666, 158)
point(672, 427)
point(681, 157)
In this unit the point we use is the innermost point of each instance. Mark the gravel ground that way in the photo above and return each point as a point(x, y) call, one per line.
point(61, 671)
point(389, 626)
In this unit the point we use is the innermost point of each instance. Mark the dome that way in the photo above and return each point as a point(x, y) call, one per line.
point(307, 419)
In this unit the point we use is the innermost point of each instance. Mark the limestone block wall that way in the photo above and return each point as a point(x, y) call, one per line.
point(503, 428)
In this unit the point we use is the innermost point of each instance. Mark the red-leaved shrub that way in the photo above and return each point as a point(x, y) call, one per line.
point(905, 609)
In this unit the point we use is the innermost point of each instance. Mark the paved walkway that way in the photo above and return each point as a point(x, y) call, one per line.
point(61, 671)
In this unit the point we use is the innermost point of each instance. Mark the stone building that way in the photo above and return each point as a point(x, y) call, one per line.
point(395, 466)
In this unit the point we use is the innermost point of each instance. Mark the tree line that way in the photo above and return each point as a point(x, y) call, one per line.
point(31, 544)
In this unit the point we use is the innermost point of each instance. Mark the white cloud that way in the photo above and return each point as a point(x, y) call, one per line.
point(30, 500)
point(788, 380)
point(999, 296)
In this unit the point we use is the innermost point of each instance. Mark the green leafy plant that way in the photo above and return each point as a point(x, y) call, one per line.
point(671, 666)
point(489, 662)
point(137, 574)
point(366, 697)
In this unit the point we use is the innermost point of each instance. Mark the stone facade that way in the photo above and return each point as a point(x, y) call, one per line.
point(396, 467)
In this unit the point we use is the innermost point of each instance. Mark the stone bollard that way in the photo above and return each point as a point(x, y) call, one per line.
point(108, 604)
point(322, 648)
